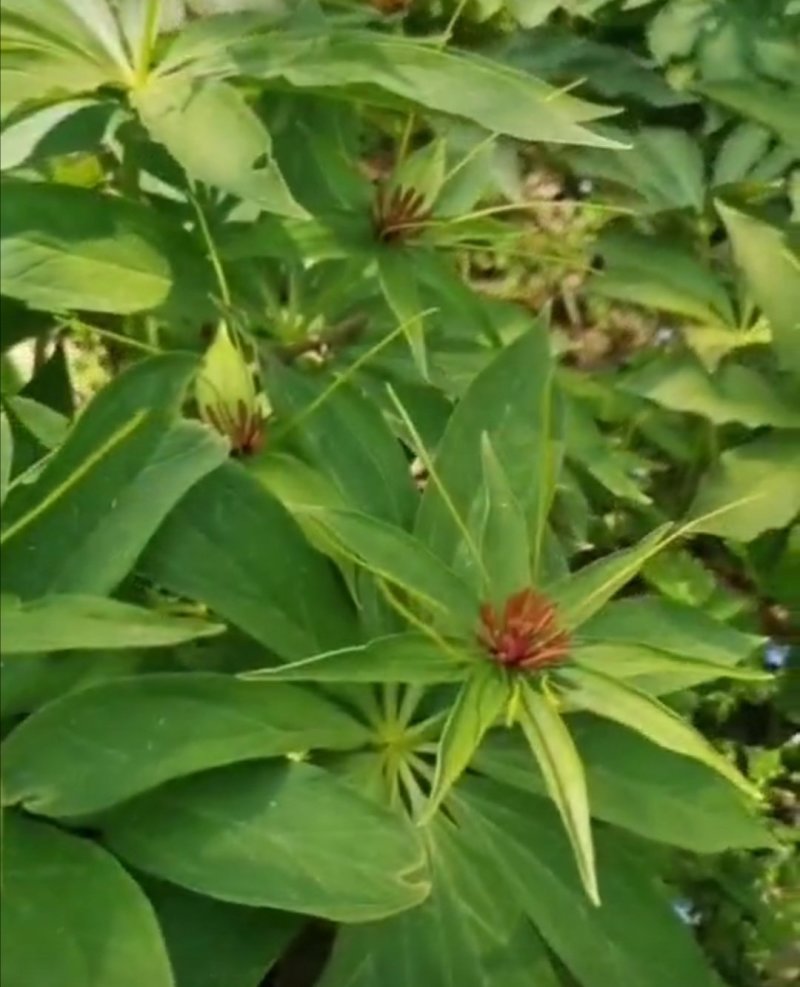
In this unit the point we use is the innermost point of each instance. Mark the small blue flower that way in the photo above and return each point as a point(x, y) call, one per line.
point(776, 655)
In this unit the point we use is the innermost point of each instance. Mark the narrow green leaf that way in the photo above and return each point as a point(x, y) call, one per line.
point(276, 835)
point(398, 279)
point(581, 595)
point(500, 531)
point(479, 703)
point(63, 623)
point(410, 658)
point(107, 742)
point(511, 400)
point(6, 455)
point(125, 463)
point(399, 558)
point(62, 899)
point(614, 700)
point(562, 768)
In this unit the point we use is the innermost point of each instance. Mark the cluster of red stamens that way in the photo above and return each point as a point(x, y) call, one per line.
point(244, 430)
point(526, 634)
point(398, 213)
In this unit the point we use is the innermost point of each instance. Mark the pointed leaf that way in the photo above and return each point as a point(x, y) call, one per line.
point(6, 455)
point(561, 766)
point(187, 116)
point(261, 834)
point(479, 703)
point(392, 554)
point(512, 401)
point(107, 742)
point(581, 595)
point(398, 279)
point(410, 658)
point(63, 623)
point(617, 701)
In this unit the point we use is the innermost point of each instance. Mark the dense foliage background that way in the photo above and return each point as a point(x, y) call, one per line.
point(400, 465)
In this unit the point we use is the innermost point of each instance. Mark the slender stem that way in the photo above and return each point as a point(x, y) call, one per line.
point(213, 254)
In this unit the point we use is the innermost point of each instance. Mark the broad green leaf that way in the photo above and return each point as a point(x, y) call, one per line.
point(560, 764)
point(613, 700)
point(478, 705)
point(214, 944)
point(409, 658)
point(303, 841)
point(71, 248)
point(532, 865)
point(498, 98)
point(98, 746)
point(660, 274)
point(397, 557)
point(642, 787)
point(344, 436)
point(231, 545)
point(400, 286)
point(63, 623)
point(512, 401)
point(187, 116)
point(772, 272)
point(733, 394)
point(65, 900)
point(466, 933)
point(6, 455)
point(499, 530)
point(765, 475)
point(22, 139)
point(580, 595)
point(81, 525)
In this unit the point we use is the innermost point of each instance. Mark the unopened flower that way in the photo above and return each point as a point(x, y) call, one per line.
point(227, 396)
point(526, 634)
point(398, 213)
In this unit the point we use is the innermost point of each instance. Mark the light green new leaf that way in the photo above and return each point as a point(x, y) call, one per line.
point(479, 703)
point(6, 455)
point(512, 401)
point(733, 394)
point(127, 460)
point(188, 116)
point(654, 670)
point(582, 594)
point(410, 658)
point(102, 744)
point(63, 247)
point(499, 530)
point(64, 623)
point(772, 272)
point(64, 900)
point(614, 700)
point(762, 477)
point(231, 545)
point(396, 556)
point(276, 835)
point(561, 766)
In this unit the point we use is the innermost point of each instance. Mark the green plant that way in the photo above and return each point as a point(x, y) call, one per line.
point(359, 625)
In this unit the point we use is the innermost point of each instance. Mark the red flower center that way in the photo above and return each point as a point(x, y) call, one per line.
point(526, 634)
point(244, 429)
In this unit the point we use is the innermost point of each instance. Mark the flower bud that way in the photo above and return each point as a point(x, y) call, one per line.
point(227, 396)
